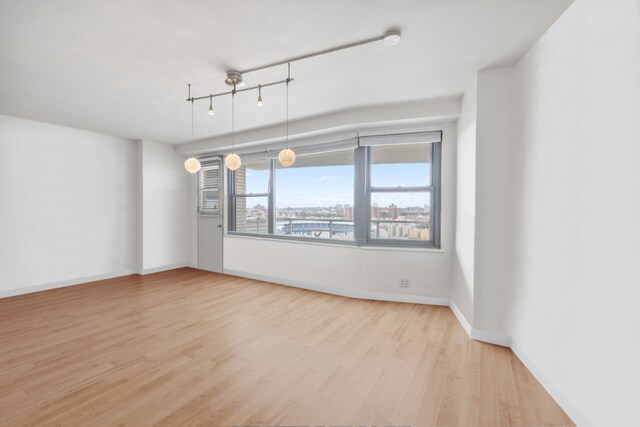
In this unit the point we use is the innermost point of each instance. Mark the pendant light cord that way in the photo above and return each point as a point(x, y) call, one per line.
point(233, 110)
point(288, 79)
point(192, 120)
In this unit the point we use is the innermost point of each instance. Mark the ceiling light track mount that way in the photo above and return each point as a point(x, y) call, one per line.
point(230, 92)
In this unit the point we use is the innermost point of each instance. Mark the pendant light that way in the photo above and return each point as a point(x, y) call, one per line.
point(192, 165)
point(211, 112)
point(260, 103)
point(232, 161)
point(287, 156)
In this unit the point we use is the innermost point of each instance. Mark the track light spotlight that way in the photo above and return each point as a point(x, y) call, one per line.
point(260, 103)
point(211, 112)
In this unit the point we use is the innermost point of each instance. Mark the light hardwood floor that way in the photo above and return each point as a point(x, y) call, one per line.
point(188, 347)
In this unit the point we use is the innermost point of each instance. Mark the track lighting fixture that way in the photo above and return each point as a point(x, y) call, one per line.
point(234, 78)
point(260, 103)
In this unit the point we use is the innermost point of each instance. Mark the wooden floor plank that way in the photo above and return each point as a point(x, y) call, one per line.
point(188, 347)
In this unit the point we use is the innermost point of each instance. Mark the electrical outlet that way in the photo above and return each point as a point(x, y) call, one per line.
point(404, 283)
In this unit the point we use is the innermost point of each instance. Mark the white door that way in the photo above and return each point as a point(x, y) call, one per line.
point(210, 215)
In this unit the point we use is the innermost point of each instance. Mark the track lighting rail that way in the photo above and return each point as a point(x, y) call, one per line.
point(229, 92)
point(319, 53)
point(234, 78)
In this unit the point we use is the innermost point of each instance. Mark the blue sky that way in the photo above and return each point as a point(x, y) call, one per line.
point(330, 185)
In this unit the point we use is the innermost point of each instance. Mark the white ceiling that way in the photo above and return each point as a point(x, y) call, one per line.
point(120, 67)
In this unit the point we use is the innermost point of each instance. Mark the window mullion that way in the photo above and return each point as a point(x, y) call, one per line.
point(247, 195)
point(436, 181)
point(361, 196)
point(271, 208)
point(401, 189)
point(231, 208)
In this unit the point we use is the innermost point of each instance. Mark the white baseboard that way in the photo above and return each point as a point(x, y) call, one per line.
point(349, 293)
point(461, 319)
point(163, 268)
point(558, 396)
point(62, 283)
point(491, 338)
point(477, 334)
point(507, 341)
point(80, 280)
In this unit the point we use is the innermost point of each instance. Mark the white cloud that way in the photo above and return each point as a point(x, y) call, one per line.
point(313, 200)
point(324, 178)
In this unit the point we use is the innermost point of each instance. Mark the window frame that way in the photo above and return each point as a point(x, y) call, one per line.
point(232, 196)
point(361, 204)
point(434, 207)
point(207, 163)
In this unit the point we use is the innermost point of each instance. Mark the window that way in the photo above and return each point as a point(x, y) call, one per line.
point(209, 187)
point(374, 190)
point(314, 197)
point(401, 192)
point(252, 188)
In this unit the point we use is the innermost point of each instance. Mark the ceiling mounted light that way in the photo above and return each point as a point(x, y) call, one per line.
point(211, 112)
point(287, 157)
point(192, 165)
point(234, 79)
point(232, 160)
point(259, 103)
point(391, 38)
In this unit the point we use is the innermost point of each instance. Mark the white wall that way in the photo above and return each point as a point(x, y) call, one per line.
point(462, 278)
point(165, 208)
point(344, 270)
point(67, 205)
point(496, 187)
point(404, 114)
point(353, 270)
point(558, 202)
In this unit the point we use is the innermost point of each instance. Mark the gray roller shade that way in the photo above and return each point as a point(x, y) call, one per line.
point(401, 138)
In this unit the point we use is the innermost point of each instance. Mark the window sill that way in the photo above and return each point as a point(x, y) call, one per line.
point(402, 248)
point(344, 244)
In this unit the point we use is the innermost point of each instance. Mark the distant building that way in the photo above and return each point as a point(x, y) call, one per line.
point(241, 202)
point(259, 210)
point(375, 211)
point(348, 212)
point(394, 211)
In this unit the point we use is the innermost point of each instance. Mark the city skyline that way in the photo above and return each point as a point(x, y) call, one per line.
point(390, 222)
point(327, 186)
